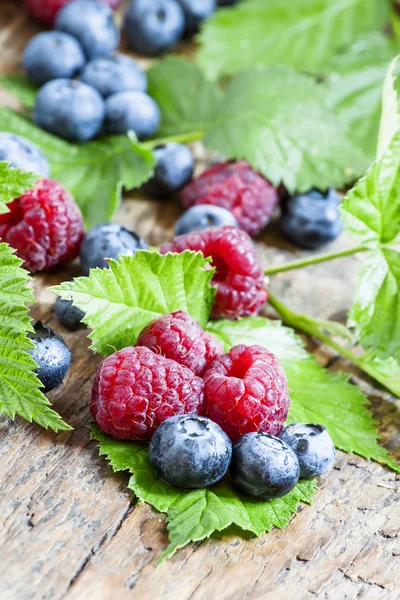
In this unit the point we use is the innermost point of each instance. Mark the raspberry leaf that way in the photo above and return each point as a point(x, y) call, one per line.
point(194, 515)
point(19, 385)
point(317, 396)
point(303, 35)
point(119, 302)
point(95, 173)
point(13, 183)
point(390, 118)
point(354, 87)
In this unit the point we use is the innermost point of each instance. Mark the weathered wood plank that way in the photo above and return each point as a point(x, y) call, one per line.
point(68, 528)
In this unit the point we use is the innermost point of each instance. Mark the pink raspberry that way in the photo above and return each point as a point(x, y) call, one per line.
point(246, 390)
point(239, 277)
point(135, 390)
point(179, 337)
point(46, 10)
point(44, 225)
point(238, 188)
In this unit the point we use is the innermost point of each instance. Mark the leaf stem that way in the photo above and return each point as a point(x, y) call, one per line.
point(181, 138)
point(315, 328)
point(313, 260)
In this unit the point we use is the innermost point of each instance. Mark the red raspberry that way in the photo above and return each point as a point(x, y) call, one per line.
point(239, 276)
point(44, 225)
point(246, 390)
point(238, 188)
point(135, 390)
point(46, 10)
point(179, 337)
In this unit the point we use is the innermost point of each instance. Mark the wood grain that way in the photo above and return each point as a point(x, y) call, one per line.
point(69, 528)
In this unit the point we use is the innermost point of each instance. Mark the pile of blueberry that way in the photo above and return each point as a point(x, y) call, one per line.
point(191, 451)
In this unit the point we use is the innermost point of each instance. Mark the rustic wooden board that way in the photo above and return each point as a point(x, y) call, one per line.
point(69, 528)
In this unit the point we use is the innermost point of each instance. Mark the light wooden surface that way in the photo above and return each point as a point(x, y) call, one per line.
point(69, 528)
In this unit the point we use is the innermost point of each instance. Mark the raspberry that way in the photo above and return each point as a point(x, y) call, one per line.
point(246, 390)
point(135, 390)
point(179, 337)
point(46, 10)
point(239, 276)
point(44, 225)
point(238, 188)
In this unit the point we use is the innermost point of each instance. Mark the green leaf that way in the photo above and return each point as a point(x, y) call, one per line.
point(95, 172)
point(317, 396)
point(387, 371)
point(371, 210)
point(376, 307)
point(390, 120)
point(21, 87)
point(186, 99)
point(194, 515)
point(303, 35)
point(354, 87)
point(13, 183)
point(120, 301)
point(275, 118)
point(19, 385)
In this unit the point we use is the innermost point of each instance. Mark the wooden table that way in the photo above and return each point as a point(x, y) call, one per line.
point(69, 526)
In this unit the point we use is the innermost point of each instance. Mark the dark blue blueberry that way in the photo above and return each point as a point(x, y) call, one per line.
point(196, 11)
point(23, 154)
point(113, 74)
point(132, 111)
point(202, 217)
point(70, 109)
point(108, 240)
point(313, 219)
point(264, 466)
point(174, 168)
point(313, 446)
point(92, 24)
point(52, 55)
point(69, 315)
point(190, 452)
point(154, 26)
point(51, 354)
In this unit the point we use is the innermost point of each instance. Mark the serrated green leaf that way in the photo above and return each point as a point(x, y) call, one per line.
point(390, 119)
point(13, 183)
point(19, 386)
point(275, 118)
point(120, 301)
point(21, 87)
point(317, 396)
point(375, 313)
point(194, 515)
point(95, 172)
point(186, 99)
point(354, 87)
point(386, 371)
point(371, 210)
point(303, 34)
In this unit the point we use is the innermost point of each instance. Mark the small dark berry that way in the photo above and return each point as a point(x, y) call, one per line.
point(313, 446)
point(174, 168)
point(204, 216)
point(51, 354)
point(69, 315)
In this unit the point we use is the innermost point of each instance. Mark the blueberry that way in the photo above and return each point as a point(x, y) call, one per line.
point(69, 315)
point(51, 354)
point(202, 217)
point(92, 24)
point(174, 168)
point(196, 11)
point(51, 55)
point(20, 152)
point(108, 240)
point(313, 446)
point(113, 74)
point(154, 26)
point(264, 466)
point(190, 452)
point(132, 111)
point(70, 109)
point(313, 219)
